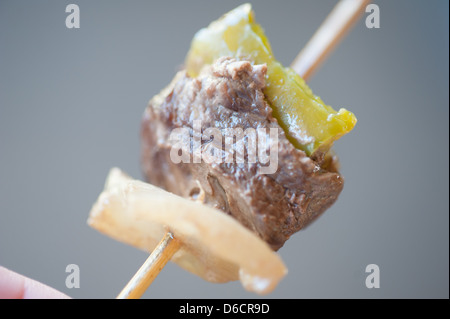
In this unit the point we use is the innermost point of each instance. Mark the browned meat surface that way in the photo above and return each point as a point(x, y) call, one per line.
point(228, 95)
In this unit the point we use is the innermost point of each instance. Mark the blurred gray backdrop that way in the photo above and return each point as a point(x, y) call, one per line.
point(70, 107)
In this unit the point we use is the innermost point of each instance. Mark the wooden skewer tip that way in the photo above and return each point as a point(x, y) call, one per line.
point(163, 252)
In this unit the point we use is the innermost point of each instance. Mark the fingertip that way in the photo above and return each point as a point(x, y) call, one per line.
point(36, 290)
point(17, 286)
point(11, 284)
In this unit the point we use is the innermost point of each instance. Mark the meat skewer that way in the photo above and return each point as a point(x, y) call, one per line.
point(325, 39)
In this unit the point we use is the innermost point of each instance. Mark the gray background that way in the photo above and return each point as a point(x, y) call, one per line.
point(70, 108)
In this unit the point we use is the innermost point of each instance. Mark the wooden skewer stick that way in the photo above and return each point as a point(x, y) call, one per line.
point(136, 287)
point(340, 20)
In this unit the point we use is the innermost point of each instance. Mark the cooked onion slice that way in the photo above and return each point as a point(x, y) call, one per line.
point(214, 246)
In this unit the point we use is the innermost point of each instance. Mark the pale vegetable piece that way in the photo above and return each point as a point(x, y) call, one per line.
point(213, 245)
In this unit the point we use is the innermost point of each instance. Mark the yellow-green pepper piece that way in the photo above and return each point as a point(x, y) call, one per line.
point(308, 122)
